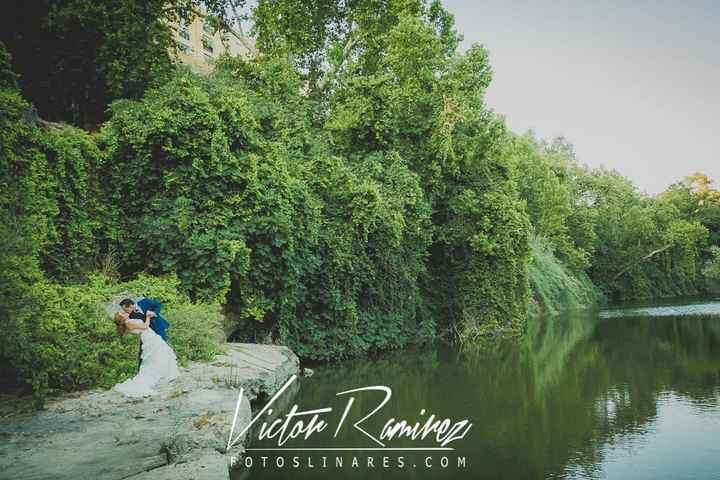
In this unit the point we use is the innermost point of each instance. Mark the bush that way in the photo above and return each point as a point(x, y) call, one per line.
point(555, 287)
point(64, 338)
point(711, 269)
point(72, 161)
point(195, 332)
point(241, 196)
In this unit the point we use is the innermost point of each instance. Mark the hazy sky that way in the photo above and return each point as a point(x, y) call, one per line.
point(634, 85)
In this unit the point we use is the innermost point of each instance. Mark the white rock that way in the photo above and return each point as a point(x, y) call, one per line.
point(180, 433)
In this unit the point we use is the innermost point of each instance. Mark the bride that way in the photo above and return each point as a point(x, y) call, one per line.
point(158, 363)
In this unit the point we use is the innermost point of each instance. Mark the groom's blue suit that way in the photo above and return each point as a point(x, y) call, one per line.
point(158, 324)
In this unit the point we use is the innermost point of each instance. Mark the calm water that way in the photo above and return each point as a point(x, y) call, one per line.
point(629, 393)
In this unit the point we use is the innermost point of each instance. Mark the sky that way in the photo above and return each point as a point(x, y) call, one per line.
point(634, 85)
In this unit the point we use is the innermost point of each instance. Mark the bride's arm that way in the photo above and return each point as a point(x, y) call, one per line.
point(132, 323)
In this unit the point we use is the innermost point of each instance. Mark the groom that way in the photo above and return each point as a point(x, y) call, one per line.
point(138, 310)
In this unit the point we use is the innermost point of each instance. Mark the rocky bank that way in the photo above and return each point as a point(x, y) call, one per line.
point(181, 433)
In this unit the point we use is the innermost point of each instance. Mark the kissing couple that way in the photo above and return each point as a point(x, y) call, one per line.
point(156, 361)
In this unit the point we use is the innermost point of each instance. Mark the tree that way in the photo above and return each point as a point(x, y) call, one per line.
point(548, 185)
point(75, 56)
point(389, 81)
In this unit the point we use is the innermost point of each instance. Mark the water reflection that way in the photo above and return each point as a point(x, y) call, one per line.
point(581, 396)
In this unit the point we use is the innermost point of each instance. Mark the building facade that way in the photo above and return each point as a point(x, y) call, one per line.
point(198, 44)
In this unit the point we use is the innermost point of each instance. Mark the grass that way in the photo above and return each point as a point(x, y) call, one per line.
point(555, 287)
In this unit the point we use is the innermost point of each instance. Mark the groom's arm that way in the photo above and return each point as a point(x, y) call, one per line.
point(159, 324)
point(150, 304)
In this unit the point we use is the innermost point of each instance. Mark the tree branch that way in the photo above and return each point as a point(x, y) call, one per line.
point(646, 257)
point(241, 36)
point(333, 69)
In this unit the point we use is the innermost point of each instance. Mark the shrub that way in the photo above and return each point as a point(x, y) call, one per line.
point(240, 195)
point(555, 287)
point(64, 338)
point(711, 269)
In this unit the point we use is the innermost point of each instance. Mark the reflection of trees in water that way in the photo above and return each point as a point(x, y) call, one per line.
point(537, 410)
point(575, 385)
point(669, 353)
point(543, 405)
point(412, 374)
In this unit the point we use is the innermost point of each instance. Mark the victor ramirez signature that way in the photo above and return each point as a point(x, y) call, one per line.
point(304, 423)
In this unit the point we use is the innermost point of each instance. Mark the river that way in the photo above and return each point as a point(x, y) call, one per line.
point(631, 392)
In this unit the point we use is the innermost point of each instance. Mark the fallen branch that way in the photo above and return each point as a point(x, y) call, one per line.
point(646, 257)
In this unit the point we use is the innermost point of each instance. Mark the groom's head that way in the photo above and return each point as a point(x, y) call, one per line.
point(128, 305)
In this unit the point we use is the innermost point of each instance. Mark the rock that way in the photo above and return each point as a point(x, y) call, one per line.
point(210, 466)
point(307, 372)
point(178, 433)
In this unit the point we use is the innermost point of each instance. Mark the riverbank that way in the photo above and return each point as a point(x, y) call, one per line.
point(177, 434)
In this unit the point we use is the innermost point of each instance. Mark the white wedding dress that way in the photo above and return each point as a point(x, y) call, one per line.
point(158, 364)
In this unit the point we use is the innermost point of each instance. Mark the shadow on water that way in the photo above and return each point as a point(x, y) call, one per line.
point(583, 395)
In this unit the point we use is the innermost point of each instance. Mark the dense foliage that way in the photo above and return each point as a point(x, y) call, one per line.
point(244, 198)
point(60, 336)
point(394, 84)
point(345, 191)
point(75, 56)
point(596, 222)
point(556, 286)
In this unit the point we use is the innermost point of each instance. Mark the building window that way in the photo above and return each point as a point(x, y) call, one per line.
point(184, 48)
point(184, 31)
point(207, 43)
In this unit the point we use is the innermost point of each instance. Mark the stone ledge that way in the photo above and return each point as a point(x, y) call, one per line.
point(175, 434)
